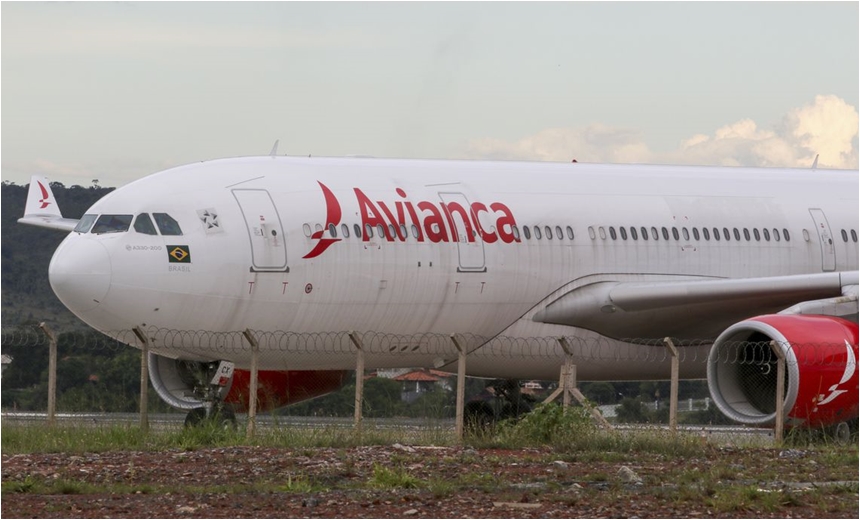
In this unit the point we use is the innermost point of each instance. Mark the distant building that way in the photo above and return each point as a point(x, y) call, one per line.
point(417, 382)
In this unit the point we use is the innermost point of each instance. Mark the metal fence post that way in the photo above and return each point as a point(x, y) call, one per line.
point(460, 408)
point(673, 391)
point(252, 386)
point(780, 392)
point(359, 379)
point(144, 378)
point(52, 373)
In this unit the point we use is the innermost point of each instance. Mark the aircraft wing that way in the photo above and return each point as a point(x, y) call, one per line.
point(697, 309)
point(42, 210)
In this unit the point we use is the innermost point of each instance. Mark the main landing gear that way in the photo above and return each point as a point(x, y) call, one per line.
point(212, 382)
point(501, 399)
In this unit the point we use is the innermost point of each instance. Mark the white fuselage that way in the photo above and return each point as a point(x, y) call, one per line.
point(258, 260)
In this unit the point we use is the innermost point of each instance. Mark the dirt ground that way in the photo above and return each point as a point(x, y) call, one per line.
point(424, 482)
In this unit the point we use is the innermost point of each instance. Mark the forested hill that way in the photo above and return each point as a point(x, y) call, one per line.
point(26, 253)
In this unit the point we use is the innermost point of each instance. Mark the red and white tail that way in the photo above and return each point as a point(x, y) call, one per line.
point(42, 209)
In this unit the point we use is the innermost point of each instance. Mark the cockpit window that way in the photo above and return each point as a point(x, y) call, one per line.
point(85, 223)
point(112, 224)
point(143, 224)
point(167, 224)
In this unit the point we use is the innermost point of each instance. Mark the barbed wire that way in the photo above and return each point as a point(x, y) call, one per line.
point(593, 348)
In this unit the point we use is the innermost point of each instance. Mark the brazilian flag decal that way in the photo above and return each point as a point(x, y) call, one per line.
point(179, 254)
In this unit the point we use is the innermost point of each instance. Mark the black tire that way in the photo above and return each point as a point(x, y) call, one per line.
point(195, 418)
point(225, 418)
point(842, 433)
point(479, 417)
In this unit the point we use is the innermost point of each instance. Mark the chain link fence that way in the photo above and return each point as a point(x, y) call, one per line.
point(110, 366)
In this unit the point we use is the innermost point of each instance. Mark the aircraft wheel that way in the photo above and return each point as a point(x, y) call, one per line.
point(225, 418)
point(842, 433)
point(479, 417)
point(195, 417)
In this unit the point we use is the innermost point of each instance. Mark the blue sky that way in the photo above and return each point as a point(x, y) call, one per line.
point(116, 91)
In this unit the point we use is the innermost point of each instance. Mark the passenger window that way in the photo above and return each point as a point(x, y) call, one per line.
point(776, 234)
point(85, 223)
point(612, 233)
point(675, 233)
point(112, 224)
point(344, 230)
point(737, 234)
point(716, 234)
point(515, 230)
point(644, 233)
point(403, 232)
point(548, 232)
point(332, 230)
point(602, 233)
point(558, 233)
point(527, 233)
point(706, 234)
point(591, 234)
point(766, 234)
point(368, 231)
point(357, 229)
point(380, 231)
point(570, 232)
point(654, 234)
point(665, 233)
point(854, 236)
point(167, 225)
point(757, 235)
point(685, 233)
point(143, 224)
point(633, 234)
point(746, 234)
point(726, 234)
point(415, 231)
point(307, 229)
point(696, 233)
point(844, 236)
point(537, 232)
point(785, 235)
point(623, 233)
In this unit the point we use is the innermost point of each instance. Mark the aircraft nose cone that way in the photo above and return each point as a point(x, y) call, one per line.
point(80, 273)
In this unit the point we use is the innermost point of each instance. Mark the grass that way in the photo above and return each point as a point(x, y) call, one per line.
point(679, 469)
point(392, 478)
point(30, 438)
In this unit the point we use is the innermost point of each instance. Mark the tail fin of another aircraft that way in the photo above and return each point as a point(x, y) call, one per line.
point(42, 210)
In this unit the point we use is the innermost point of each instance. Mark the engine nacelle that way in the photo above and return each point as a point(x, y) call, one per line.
point(176, 382)
point(820, 370)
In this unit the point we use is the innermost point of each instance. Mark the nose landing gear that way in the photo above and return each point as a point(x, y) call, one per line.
point(211, 391)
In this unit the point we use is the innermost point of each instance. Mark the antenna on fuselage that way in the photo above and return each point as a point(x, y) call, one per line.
point(815, 162)
point(274, 151)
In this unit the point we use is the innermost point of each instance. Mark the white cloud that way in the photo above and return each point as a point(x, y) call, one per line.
point(827, 126)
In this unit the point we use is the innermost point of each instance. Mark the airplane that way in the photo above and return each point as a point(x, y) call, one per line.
point(310, 253)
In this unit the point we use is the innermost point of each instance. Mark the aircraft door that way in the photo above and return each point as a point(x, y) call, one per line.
point(265, 232)
point(828, 253)
point(470, 245)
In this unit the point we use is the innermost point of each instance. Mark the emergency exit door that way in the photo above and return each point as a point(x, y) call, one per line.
point(265, 232)
point(828, 252)
point(470, 245)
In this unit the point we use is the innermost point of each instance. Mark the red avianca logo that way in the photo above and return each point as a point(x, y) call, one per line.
point(44, 200)
point(332, 216)
point(433, 222)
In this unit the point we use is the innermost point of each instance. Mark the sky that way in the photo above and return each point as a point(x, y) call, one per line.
point(116, 91)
